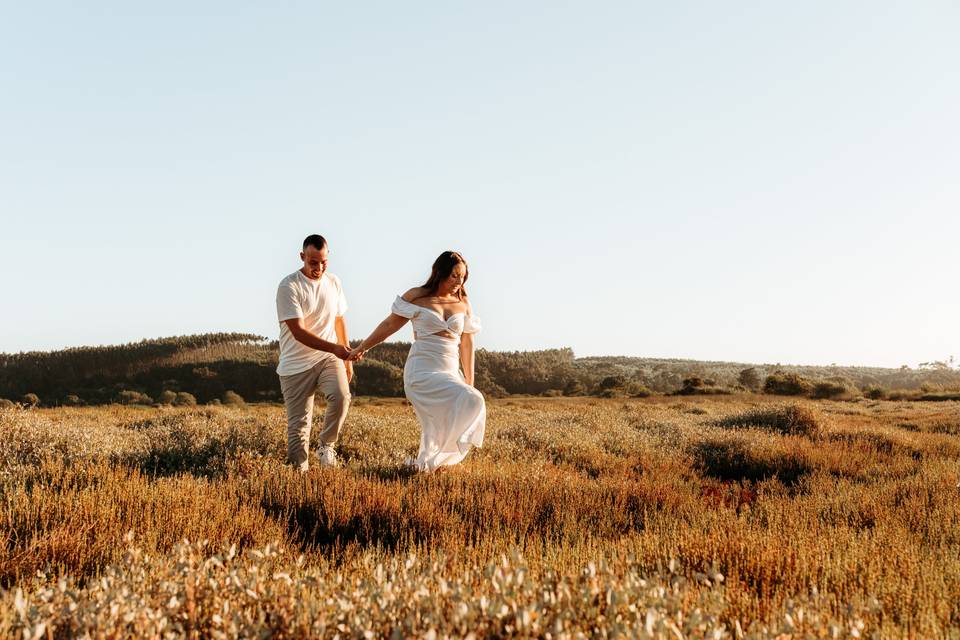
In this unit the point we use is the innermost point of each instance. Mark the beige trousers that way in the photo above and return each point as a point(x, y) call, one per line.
point(329, 376)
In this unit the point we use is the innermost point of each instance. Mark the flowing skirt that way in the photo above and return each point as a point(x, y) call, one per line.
point(452, 414)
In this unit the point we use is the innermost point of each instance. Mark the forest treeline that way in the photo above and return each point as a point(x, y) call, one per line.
point(238, 367)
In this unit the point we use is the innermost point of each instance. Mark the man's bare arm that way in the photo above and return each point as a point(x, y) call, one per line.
point(313, 341)
point(340, 324)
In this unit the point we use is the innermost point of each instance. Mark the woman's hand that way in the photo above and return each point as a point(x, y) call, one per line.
point(357, 353)
point(384, 330)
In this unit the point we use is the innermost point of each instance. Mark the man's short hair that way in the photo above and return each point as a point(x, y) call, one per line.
point(316, 241)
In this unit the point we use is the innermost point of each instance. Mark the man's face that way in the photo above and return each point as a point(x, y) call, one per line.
point(314, 261)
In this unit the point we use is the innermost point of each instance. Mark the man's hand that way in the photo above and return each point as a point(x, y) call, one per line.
point(356, 354)
point(315, 342)
point(341, 351)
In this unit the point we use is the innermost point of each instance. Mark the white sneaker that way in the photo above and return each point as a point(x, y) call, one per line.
point(328, 457)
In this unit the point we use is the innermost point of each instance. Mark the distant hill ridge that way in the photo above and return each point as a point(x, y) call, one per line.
point(207, 366)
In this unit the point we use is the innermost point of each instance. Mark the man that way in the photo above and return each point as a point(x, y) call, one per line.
point(313, 349)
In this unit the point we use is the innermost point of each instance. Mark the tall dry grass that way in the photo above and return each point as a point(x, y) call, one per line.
point(846, 512)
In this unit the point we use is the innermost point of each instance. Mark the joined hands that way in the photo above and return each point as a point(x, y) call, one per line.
point(347, 354)
point(342, 352)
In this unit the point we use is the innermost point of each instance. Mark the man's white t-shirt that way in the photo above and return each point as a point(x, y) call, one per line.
point(318, 303)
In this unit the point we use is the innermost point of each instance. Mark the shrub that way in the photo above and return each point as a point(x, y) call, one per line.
point(787, 384)
point(233, 398)
point(611, 393)
point(133, 397)
point(31, 400)
point(834, 388)
point(215, 402)
point(72, 400)
point(790, 419)
point(167, 397)
point(739, 460)
point(637, 390)
point(575, 388)
point(695, 385)
point(184, 399)
point(7, 404)
point(875, 392)
point(612, 382)
point(552, 393)
point(939, 397)
point(903, 394)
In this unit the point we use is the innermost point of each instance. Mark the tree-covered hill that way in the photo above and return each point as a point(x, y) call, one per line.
point(205, 367)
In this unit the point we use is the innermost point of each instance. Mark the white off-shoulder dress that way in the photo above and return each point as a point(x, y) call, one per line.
point(452, 414)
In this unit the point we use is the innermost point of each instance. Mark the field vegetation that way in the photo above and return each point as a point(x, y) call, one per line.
point(703, 516)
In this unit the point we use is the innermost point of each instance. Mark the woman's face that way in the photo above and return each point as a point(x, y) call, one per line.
point(456, 278)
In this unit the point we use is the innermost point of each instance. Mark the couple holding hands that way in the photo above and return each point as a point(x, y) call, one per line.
point(315, 355)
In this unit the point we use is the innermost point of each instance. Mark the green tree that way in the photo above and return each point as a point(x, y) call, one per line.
point(749, 378)
point(376, 378)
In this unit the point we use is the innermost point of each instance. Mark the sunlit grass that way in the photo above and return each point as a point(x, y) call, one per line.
point(847, 511)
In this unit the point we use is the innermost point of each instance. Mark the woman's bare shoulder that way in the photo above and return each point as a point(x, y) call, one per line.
point(416, 292)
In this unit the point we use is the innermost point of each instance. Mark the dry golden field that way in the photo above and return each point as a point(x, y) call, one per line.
point(732, 516)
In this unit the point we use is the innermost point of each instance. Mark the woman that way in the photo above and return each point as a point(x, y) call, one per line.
point(451, 411)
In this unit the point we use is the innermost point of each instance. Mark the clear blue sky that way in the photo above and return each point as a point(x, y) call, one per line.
point(756, 181)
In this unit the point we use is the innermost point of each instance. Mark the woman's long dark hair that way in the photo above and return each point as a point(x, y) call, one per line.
point(441, 270)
